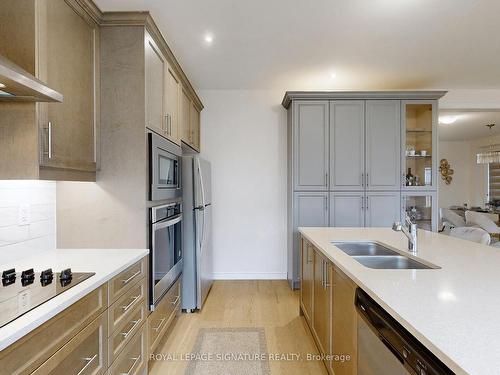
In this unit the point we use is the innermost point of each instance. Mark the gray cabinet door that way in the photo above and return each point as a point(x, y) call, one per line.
point(383, 144)
point(347, 145)
point(347, 209)
point(310, 125)
point(382, 208)
point(310, 210)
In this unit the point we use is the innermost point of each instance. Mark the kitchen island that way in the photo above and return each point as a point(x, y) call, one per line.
point(452, 310)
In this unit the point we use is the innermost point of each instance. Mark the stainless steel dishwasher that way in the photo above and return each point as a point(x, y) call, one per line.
point(385, 347)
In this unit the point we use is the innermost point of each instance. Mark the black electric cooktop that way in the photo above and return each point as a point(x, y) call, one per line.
point(21, 292)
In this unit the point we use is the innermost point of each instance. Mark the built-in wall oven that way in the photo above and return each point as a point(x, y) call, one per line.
point(165, 249)
point(164, 168)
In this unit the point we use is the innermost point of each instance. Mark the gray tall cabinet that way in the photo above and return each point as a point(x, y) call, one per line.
point(348, 159)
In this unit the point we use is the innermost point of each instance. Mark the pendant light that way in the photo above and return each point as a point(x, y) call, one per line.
point(490, 156)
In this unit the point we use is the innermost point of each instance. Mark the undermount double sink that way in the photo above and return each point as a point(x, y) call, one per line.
point(375, 255)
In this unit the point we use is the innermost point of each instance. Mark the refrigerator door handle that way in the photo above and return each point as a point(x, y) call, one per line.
point(201, 183)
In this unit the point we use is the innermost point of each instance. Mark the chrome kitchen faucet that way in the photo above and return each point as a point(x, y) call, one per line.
point(410, 230)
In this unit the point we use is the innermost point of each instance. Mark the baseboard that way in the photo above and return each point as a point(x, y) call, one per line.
point(249, 275)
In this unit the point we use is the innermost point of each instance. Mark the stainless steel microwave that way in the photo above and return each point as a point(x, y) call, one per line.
point(164, 168)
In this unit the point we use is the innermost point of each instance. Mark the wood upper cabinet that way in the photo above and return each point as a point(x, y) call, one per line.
point(347, 145)
point(321, 301)
point(344, 328)
point(383, 144)
point(307, 280)
point(68, 47)
point(195, 127)
point(57, 41)
point(163, 100)
point(185, 113)
point(155, 68)
point(310, 137)
point(189, 121)
point(172, 101)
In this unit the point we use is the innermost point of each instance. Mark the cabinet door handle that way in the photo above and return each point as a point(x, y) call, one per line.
point(326, 203)
point(125, 308)
point(174, 302)
point(326, 178)
point(49, 151)
point(362, 203)
point(362, 179)
point(326, 276)
point(156, 329)
point(131, 369)
point(135, 324)
point(367, 179)
point(89, 360)
point(367, 203)
point(126, 281)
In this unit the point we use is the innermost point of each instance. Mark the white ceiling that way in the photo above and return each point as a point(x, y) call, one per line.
point(296, 44)
point(469, 125)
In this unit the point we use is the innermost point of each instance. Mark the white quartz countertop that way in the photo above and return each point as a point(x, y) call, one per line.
point(105, 263)
point(454, 311)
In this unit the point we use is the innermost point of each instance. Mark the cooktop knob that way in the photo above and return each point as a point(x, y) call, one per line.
point(28, 274)
point(47, 274)
point(9, 274)
point(66, 274)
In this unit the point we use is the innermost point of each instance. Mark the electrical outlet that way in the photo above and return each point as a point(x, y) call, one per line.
point(24, 217)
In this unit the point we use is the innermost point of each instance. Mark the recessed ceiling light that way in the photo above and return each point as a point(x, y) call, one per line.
point(447, 120)
point(333, 75)
point(208, 38)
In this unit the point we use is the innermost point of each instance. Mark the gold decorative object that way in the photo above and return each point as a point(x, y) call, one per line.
point(446, 171)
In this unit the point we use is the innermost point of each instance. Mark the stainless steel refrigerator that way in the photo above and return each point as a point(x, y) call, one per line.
point(197, 275)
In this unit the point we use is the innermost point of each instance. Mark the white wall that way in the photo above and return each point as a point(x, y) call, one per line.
point(244, 136)
point(458, 154)
point(39, 199)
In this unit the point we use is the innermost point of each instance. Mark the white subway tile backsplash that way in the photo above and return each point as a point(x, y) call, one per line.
point(39, 198)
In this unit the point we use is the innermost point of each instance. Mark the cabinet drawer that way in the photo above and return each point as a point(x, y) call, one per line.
point(133, 359)
point(86, 353)
point(160, 319)
point(126, 330)
point(126, 279)
point(120, 310)
point(28, 353)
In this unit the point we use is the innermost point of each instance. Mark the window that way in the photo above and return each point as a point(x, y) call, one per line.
point(494, 181)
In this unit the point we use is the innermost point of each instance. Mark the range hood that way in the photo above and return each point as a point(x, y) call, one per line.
point(18, 85)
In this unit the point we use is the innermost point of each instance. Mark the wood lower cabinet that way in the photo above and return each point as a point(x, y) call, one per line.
point(307, 280)
point(134, 358)
point(344, 324)
point(327, 303)
point(160, 320)
point(322, 302)
point(86, 353)
point(28, 353)
point(89, 337)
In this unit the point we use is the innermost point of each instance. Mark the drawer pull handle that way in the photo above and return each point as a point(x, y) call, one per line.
point(159, 325)
point(126, 281)
point(174, 302)
point(136, 361)
point(125, 308)
point(136, 323)
point(89, 361)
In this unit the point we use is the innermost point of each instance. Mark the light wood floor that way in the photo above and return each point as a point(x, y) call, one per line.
point(270, 304)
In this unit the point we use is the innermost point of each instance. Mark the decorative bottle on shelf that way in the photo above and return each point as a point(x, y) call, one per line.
point(409, 178)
